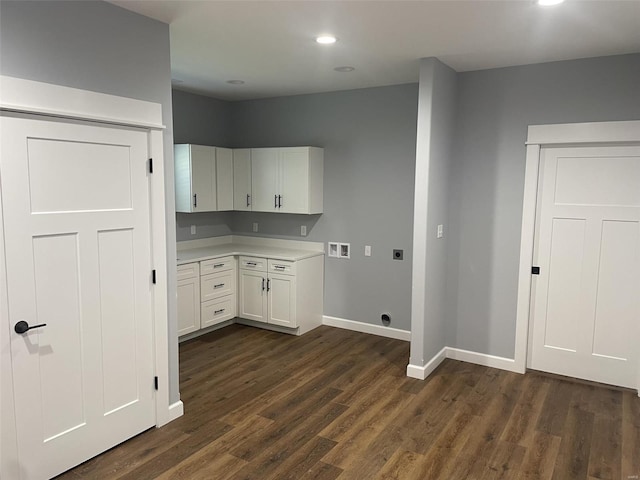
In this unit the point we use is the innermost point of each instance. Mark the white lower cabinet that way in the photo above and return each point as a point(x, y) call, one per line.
point(188, 298)
point(283, 293)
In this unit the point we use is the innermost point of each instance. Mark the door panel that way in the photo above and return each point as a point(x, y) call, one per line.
point(253, 298)
point(586, 309)
point(242, 179)
point(203, 178)
point(294, 180)
point(282, 295)
point(264, 171)
point(78, 243)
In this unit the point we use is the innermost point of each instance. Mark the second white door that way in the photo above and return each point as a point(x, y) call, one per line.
point(586, 309)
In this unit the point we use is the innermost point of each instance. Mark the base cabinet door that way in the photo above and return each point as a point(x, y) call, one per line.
point(188, 300)
point(282, 300)
point(253, 296)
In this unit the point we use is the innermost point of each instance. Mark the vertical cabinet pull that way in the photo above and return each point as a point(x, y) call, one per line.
point(248, 197)
point(195, 200)
point(268, 284)
point(263, 284)
point(279, 201)
point(275, 201)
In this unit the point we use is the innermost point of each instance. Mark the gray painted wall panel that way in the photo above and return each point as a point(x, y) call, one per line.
point(103, 48)
point(494, 109)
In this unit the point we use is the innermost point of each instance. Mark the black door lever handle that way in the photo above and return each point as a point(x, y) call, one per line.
point(23, 327)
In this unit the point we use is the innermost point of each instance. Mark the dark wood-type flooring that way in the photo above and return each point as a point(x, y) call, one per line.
point(337, 404)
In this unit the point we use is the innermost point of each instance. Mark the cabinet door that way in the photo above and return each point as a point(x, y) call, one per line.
point(242, 179)
point(294, 180)
point(264, 175)
point(282, 300)
point(253, 296)
point(188, 305)
point(224, 178)
point(203, 178)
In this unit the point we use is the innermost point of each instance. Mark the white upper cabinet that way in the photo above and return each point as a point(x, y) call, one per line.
point(224, 178)
point(287, 180)
point(242, 198)
point(203, 178)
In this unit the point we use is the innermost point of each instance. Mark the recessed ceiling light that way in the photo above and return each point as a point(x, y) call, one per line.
point(344, 69)
point(548, 3)
point(326, 39)
point(236, 82)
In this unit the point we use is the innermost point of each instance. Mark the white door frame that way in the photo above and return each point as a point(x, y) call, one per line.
point(574, 134)
point(21, 96)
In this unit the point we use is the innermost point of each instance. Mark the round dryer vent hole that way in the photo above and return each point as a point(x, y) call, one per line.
point(386, 319)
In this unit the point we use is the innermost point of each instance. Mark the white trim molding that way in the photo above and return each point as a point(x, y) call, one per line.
point(362, 327)
point(422, 372)
point(176, 410)
point(538, 137)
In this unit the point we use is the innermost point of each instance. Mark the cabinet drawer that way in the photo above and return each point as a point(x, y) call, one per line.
point(217, 285)
point(282, 266)
point(253, 263)
point(189, 270)
point(217, 311)
point(217, 265)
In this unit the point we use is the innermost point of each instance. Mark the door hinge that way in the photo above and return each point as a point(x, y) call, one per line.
point(155, 382)
point(153, 276)
point(535, 270)
point(151, 165)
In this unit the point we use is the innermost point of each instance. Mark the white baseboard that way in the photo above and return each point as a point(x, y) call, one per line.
point(416, 371)
point(176, 410)
point(362, 327)
point(483, 359)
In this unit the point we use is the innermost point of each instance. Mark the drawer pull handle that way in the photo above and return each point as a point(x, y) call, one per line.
point(218, 311)
point(218, 265)
point(219, 285)
point(251, 264)
point(279, 267)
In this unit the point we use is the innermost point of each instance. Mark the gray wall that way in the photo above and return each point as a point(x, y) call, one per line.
point(368, 137)
point(99, 47)
point(494, 109)
point(436, 130)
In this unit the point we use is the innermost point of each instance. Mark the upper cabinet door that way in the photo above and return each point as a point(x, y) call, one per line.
point(203, 178)
point(264, 177)
point(293, 190)
point(242, 179)
point(224, 178)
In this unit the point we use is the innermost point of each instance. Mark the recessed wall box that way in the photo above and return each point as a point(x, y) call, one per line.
point(333, 249)
point(345, 250)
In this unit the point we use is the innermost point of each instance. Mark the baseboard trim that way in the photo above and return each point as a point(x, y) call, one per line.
point(416, 371)
point(367, 328)
point(175, 410)
point(483, 359)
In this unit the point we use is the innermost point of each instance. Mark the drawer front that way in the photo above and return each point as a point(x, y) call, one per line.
point(217, 311)
point(282, 266)
point(189, 270)
point(217, 285)
point(217, 265)
point(253, 263)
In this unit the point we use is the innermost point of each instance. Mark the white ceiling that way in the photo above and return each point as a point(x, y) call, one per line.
point(270, 44)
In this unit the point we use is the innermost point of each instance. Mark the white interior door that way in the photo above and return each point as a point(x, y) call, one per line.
point(78, 259)
point(586, 311)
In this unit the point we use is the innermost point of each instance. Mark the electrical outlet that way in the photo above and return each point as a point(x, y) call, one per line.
point(303, 230)
point(193, 229)
point(440, 233)
point(255, 226)
point(367, 250)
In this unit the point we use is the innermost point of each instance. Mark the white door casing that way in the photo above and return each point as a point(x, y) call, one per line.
point(586, 300)
point(23, 99)
point(539, 136)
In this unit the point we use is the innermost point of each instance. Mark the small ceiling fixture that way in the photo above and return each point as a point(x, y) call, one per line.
point(345, 69)
point(549, 3)
point(236, 82)
point(326, 39)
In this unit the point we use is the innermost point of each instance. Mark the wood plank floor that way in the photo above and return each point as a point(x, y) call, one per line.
point(337, 404)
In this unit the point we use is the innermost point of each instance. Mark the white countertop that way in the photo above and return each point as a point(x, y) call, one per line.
point(198, 254)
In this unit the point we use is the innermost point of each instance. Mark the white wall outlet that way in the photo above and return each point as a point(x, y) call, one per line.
point(345, 250)
point(303, 230)
point(367, 250)
point(193, 229)
point(255, 226)
point(332, 249)
point(440, 233)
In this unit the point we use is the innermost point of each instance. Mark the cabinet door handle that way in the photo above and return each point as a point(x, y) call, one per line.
point(216, 312)
point(275, 201)
point(219, 285)
point(279, 201)
point(263, 284)
point(195, 200)
point(248, 197)
point(268, 284)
